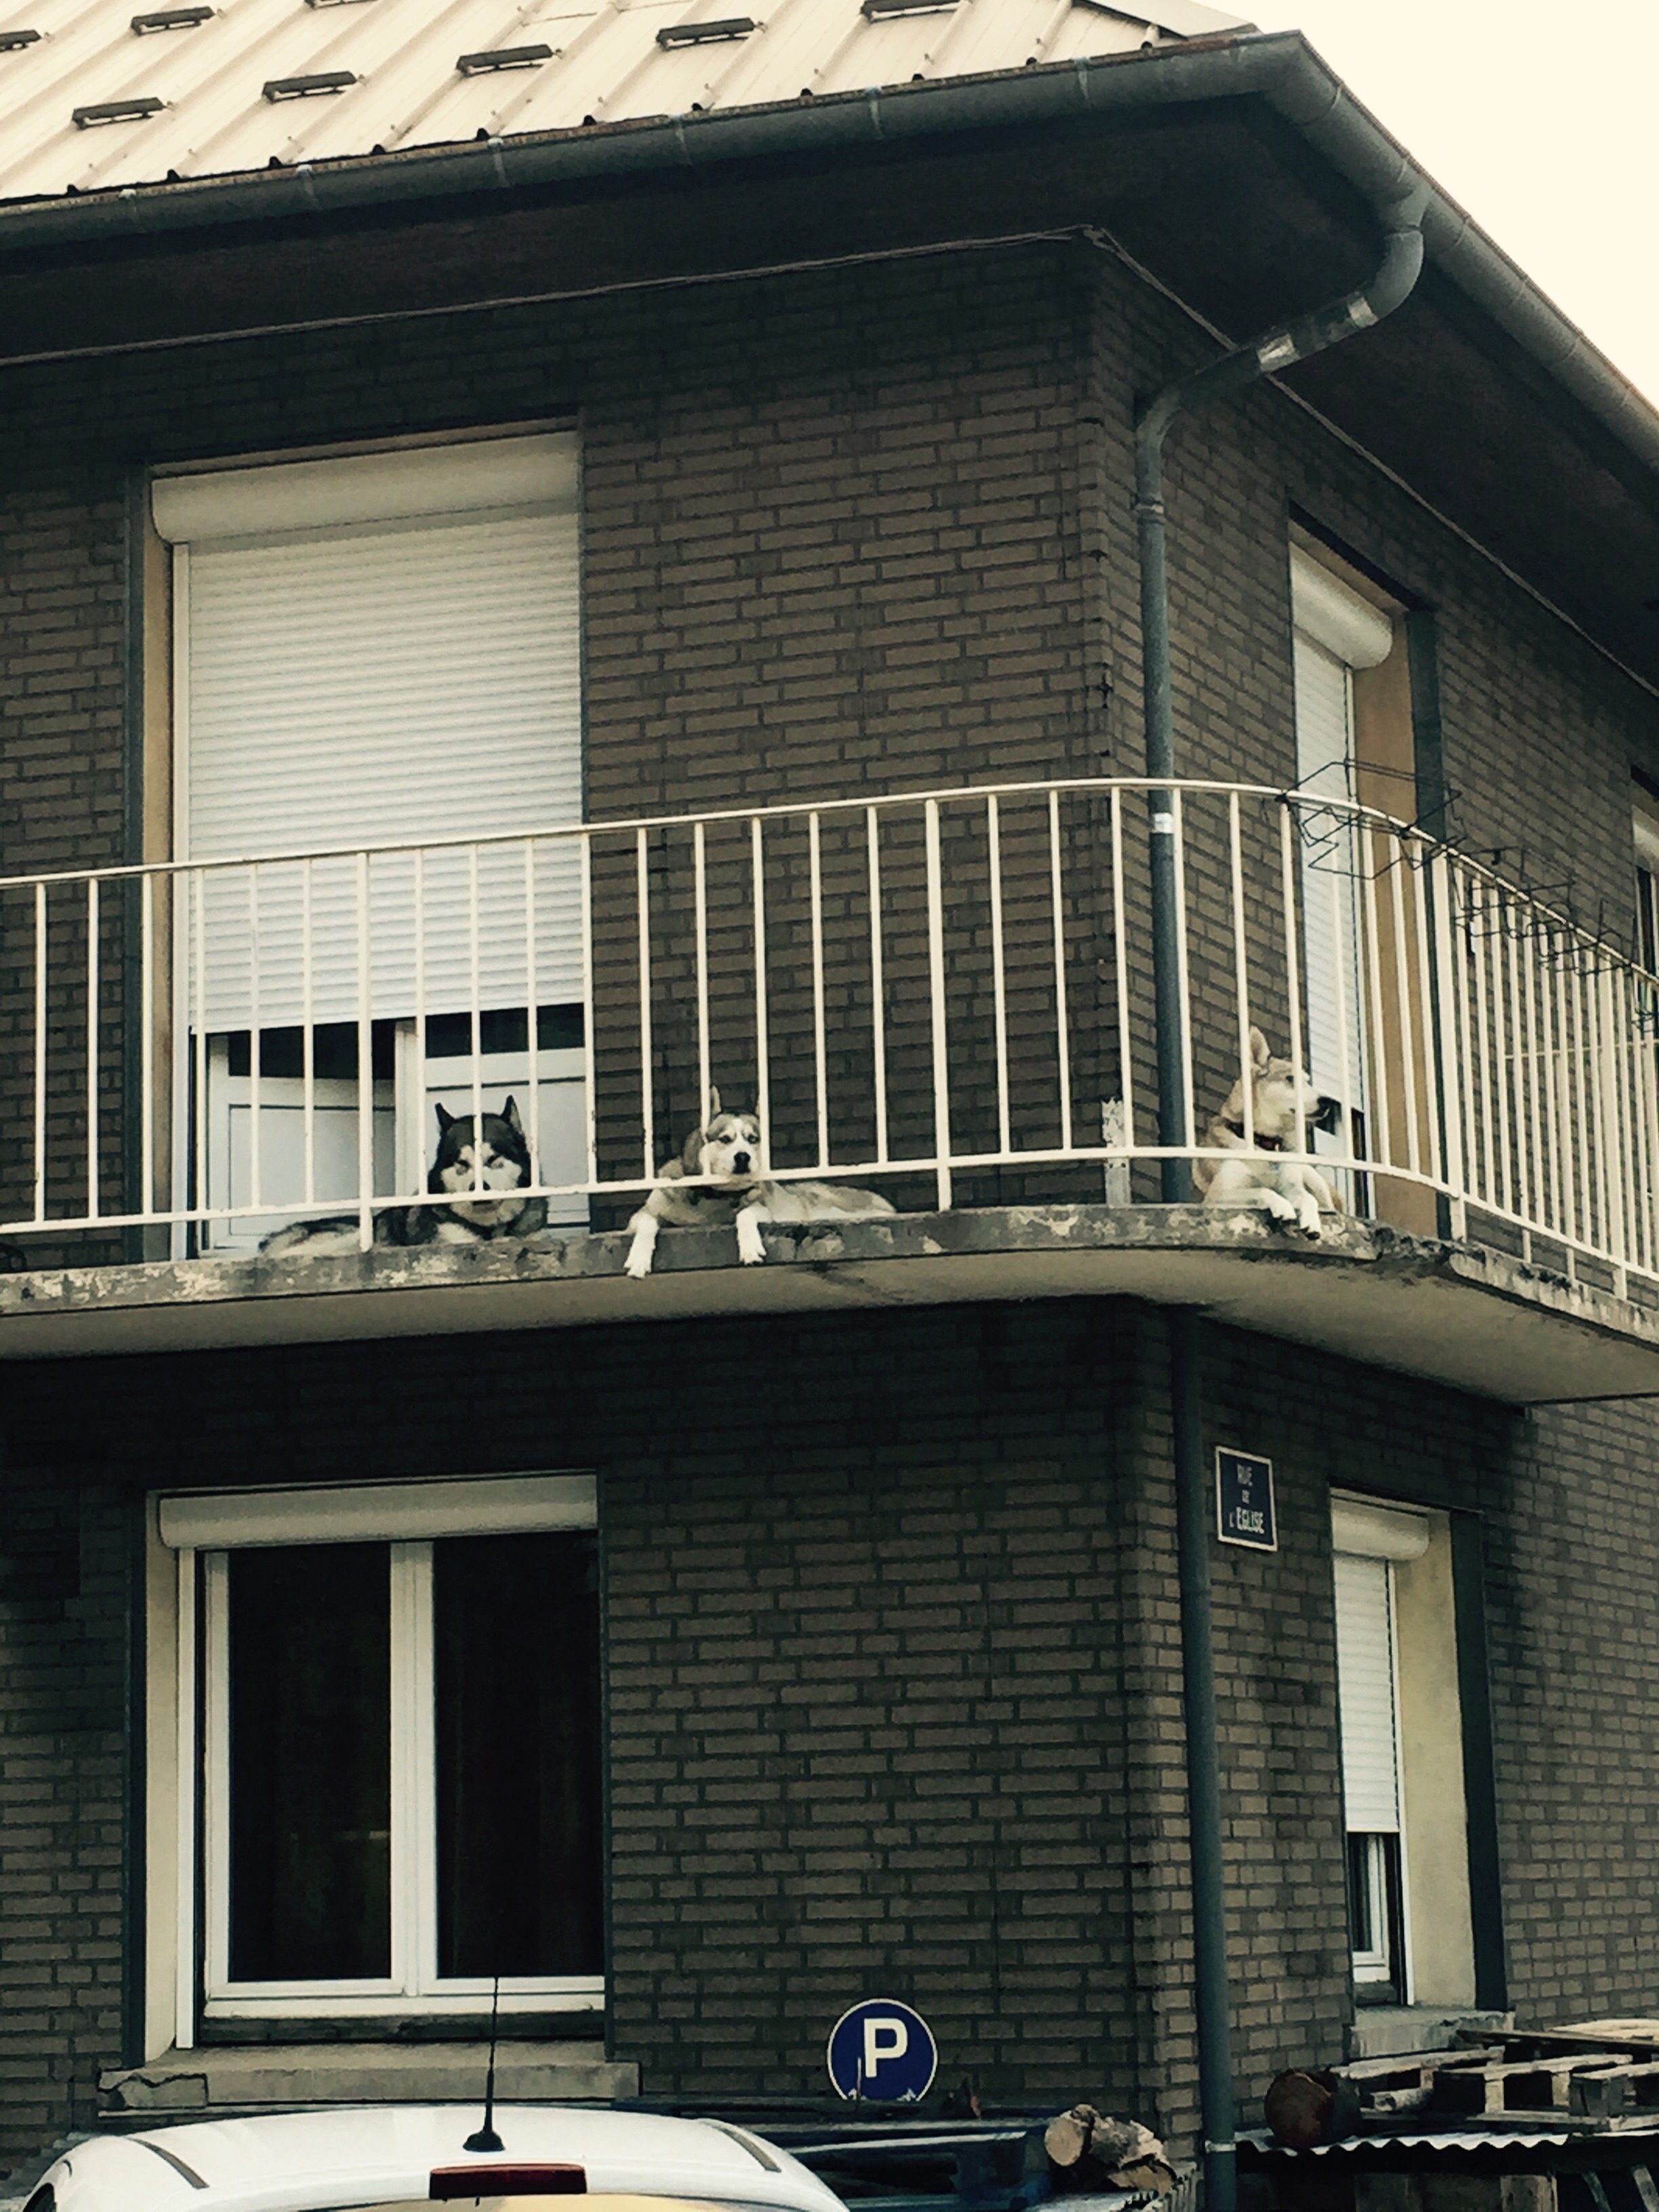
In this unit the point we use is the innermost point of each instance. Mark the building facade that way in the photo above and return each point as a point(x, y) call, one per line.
point(692, 663)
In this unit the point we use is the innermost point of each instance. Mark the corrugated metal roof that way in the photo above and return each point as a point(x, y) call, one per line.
point(250, 83)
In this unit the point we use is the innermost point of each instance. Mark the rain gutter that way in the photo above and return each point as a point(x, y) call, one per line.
point(1278, 69)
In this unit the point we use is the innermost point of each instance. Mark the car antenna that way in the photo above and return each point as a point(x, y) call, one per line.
point(486, 2137)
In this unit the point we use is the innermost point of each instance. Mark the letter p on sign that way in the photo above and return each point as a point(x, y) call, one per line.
point(882, 2049)
point(883, 2039)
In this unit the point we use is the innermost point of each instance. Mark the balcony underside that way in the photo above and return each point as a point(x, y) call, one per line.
point(1457, 1314)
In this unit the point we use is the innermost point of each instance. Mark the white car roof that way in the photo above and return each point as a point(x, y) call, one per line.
point(302, 2161)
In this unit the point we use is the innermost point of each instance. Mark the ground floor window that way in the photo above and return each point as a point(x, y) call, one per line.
point(385, 1750)
point(1410, 1924)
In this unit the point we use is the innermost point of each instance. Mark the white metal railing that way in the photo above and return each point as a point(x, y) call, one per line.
point(946, 992)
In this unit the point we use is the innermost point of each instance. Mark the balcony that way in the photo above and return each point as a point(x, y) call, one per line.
point(946, 996)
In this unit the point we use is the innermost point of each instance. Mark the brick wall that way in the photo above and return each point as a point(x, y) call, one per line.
point(851, 530)
point(894, 1677)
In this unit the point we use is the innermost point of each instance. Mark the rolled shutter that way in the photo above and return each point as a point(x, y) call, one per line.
point(1365, 1668)
point(378, 683)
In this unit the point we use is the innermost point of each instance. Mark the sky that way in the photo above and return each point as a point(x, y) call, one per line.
point(1537, 117)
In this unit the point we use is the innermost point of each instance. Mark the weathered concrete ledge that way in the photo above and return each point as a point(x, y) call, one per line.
point(1461, 1314)
point(245, 2077)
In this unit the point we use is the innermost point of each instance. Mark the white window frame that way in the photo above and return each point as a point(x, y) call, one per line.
point(1363, 1529)
point(1375, 1964)
point(505, 470)
point(187, 1781)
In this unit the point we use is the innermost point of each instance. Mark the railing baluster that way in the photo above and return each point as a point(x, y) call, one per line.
point(1121, 962)
point(1379, 1126)
point(1518, 1092)
point(411, 1170)
point(201, 1196)
point(41, 1051)
point(475, 993)
point(1062, 1020)
point(308, 1022)
point(1289, 838)
point(92, 1048)
point(1241, 963)
point(147, 1045)
point(762, 1044)
point(1462, 926)
point(1189, 1134)
point(1449, 1072)
point(366, 1056)
point(1598, 1103)
point(1583, 1224)
point(936, 994)
point(590, 1059)
point(1630, 1141)
point(820, 1051)
point(1341, 937)
point(532, 1020)
point(648, 1085)
point(1403, 996)
point(998, 977)
point(700, 866)
point(1538, 1178)
point(254, 1054)
point(1503, 1059)
point(1547, 986)
point(878, 982)
point(1612, 1147)
point(1417, 863)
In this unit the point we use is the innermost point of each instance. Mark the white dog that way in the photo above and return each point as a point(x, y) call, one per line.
point(727, 1147)
point(1292, 1193)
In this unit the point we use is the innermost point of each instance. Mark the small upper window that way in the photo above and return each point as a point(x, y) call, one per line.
point(1644, 833)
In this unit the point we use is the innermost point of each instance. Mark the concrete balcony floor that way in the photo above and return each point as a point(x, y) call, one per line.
point(1459, 1314)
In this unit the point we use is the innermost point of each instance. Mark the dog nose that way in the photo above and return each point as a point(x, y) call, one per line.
point(740, 1162)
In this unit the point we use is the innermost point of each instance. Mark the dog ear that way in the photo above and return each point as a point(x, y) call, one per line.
point(446, 1121)
point(714, 1105)
point(1260, 1055)
point(510, 1116)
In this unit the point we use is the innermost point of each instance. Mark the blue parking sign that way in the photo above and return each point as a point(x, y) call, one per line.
point(883, 2050)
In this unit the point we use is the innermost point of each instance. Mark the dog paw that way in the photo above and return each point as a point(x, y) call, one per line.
point(752, 1255)
point(638, 1268)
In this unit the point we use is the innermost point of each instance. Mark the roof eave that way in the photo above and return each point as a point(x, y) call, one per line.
point(1280, 69)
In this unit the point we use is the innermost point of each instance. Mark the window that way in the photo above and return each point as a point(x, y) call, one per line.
point(1410, 1925)
point(1364, 1015)
point(382, 1783)
point(1645, 834)
point(1371, 1771)
point(374, 649)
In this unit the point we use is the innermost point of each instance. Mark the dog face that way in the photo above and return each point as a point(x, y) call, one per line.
point(728, 1147)
point(1272, 1098)
point(494, 1156)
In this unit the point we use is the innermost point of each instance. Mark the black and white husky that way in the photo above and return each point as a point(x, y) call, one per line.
point(495, 1157)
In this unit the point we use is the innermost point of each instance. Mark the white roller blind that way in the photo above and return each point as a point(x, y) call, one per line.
point(1365, 1671)
point(370, 683)
point(1330, 858)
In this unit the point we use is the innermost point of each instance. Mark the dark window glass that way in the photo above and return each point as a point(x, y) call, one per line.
point(516, 1652)
point(310, 1763)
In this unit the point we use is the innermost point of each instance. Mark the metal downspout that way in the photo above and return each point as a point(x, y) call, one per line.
point(1308, 334)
